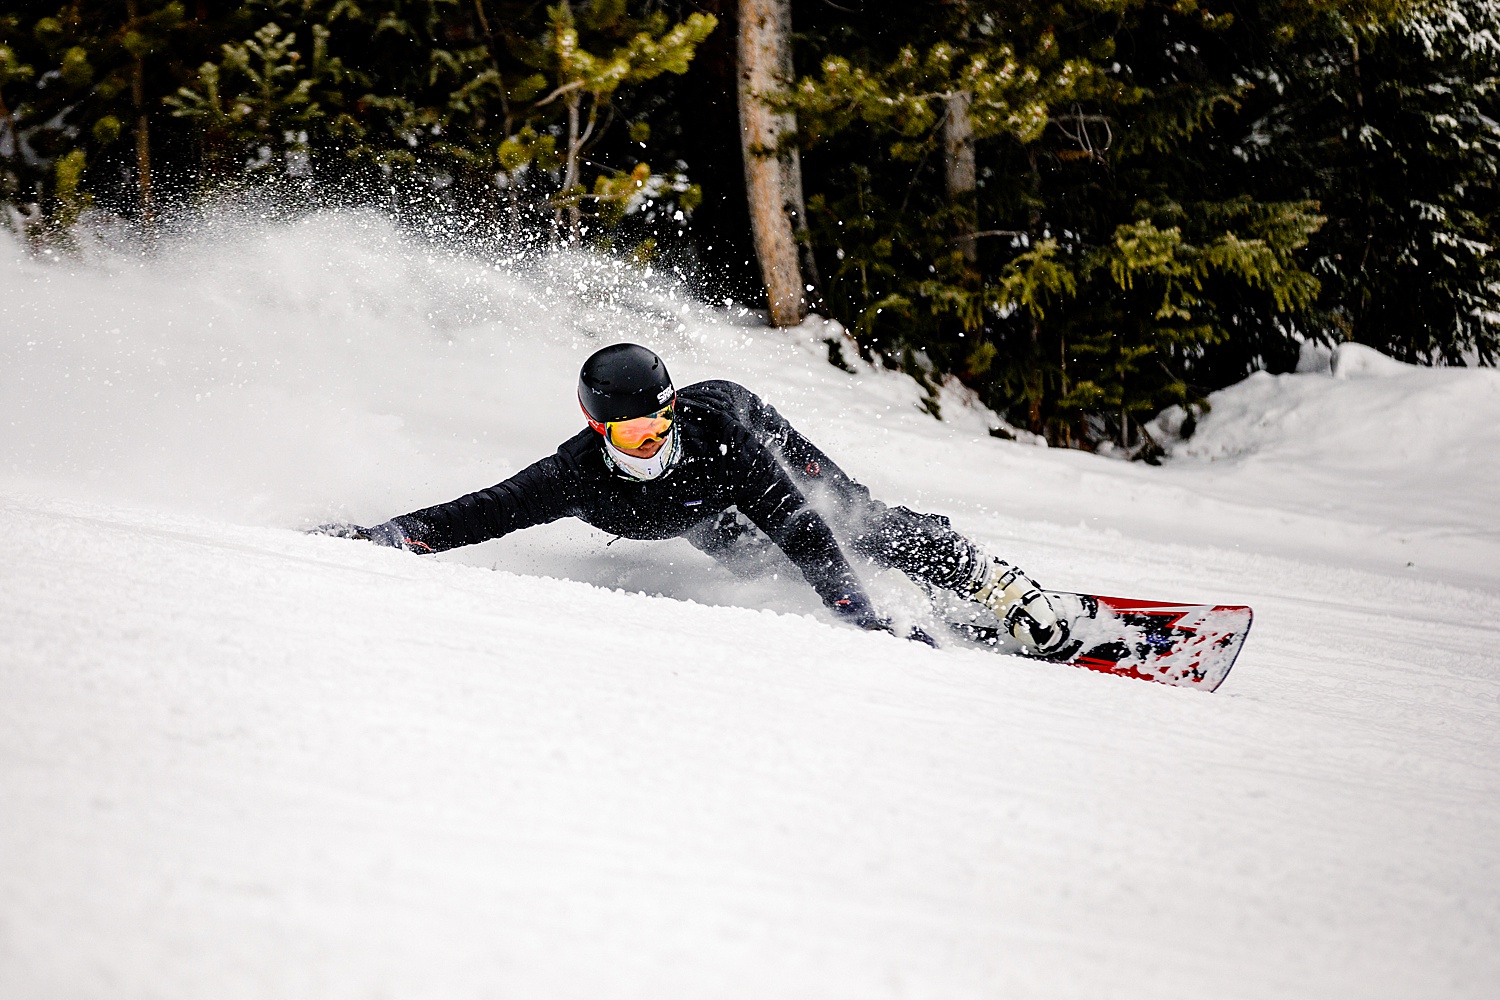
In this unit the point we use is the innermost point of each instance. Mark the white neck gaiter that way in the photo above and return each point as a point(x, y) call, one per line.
point(644, 468)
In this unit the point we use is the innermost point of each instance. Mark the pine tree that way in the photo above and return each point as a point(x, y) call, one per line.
point(80, 86)
point(444, 100)
point(256, 105)
point(1390, 123)
point(1093, 266)
point(585, 82)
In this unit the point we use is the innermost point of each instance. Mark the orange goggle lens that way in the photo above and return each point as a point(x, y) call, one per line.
point(632, 434)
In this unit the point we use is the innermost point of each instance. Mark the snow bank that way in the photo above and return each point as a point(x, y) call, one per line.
point(1369, 416)
point(1407, 452)
point(243, 763)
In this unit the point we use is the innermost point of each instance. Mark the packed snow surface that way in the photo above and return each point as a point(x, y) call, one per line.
point(237, 761)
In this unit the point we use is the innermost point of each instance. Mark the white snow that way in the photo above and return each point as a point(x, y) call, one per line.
point(236, 761)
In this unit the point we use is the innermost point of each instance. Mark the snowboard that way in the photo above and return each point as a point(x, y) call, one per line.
point(1184, 645)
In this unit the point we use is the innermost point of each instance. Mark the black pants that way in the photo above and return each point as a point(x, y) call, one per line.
point(923, 546)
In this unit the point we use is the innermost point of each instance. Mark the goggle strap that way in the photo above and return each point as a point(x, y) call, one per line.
point(596, 425)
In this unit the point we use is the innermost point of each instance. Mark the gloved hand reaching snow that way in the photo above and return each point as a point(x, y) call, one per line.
point(389, 534)
point(917, 634)
point(856, 610)
point(340, 529)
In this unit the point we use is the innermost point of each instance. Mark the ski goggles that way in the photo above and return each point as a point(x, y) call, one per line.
point(628, 435)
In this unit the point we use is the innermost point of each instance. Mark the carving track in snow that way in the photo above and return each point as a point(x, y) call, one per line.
point(240, 762)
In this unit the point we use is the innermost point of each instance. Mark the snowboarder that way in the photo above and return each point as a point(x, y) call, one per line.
point(715, 464)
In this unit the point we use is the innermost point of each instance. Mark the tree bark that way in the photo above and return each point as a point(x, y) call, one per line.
point(796, 207)
point(1035, 377)
point(773, 178)
point(142, 127)
point(10, 128)
point(570, 172)
point(958, 155)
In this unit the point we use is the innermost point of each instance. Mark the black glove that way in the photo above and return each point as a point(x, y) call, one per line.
point(917, 634)
point(874, 623)
point(389, 534)
point(856, 610)
point(338, 529)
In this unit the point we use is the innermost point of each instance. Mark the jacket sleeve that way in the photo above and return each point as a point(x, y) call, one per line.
point(537, 494)
point(774, 504)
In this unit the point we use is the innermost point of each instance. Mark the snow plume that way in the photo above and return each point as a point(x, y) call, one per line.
point(328, 365)
point(277, 370)
point(284, 369)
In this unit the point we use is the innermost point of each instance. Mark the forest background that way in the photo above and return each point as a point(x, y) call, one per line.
point(1087, 210)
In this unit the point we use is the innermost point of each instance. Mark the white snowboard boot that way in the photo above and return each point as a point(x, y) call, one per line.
point(1014, 598)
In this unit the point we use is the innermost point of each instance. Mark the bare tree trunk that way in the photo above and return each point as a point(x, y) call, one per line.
point(1035, 378)
point(773, 179)
point(570, 174)
point(10, 128)
point(958, 154)
point(796, 207)
point(142, 128)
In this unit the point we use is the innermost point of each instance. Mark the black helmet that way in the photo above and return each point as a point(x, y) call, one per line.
point(622, 382)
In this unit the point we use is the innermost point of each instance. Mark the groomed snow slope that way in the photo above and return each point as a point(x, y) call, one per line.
point(236, 761)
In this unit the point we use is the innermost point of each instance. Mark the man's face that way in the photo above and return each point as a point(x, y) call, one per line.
point(648, 448)
point(643, 436)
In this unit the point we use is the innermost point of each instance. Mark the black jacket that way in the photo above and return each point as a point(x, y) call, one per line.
point(726, 433)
